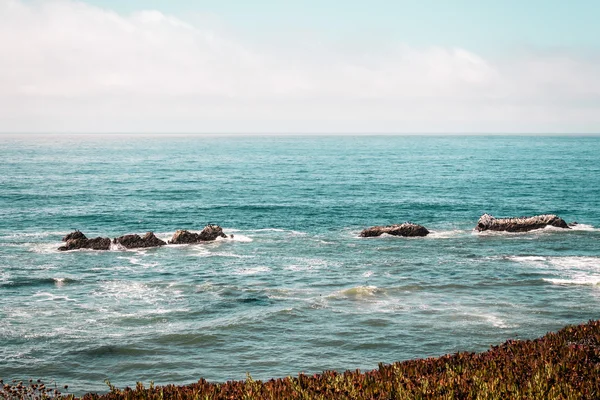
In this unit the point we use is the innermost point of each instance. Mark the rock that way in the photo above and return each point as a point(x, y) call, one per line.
point(209, 233)
point(212, 232)
point(407, 229)
point(521, 224)
point(184, 237)
point(74, 235)
point(98, 243)
point(136, 241)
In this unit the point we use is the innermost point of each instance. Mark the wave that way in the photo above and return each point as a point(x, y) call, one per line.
point(29, 235)
point(136, 260)
point(584, 280)
point(33, 282)
point(562, 262)
point(288, 231)
point(52, 297)
point(357, 293)
point(565, 270)
point(113, 350)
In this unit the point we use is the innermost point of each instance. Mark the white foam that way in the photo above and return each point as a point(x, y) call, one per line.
point(164, 236)
point(127, 290)
point(45, 248)
point(59, 281)
point(223, 254)
point(238, 238)
point(567, 263)
point(368, 274)
point(135, 260)
point(117, 247)
point(567, 270)
point(447, 234)
point(32, 235)
point(288, 231)
point(576, 262)
point(495, 321)
point(529, 260)
point(526, 258)
point(252, 271)
point(152, 312)
point(308, 264)
point(584, 227)
point(357, 292)
point(52, 297)
point(592, 280)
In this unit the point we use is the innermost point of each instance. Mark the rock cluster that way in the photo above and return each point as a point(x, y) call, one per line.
point(521, 224)
point(407, 229)
point(210, 232)
point(137, 241)
point(77, 240)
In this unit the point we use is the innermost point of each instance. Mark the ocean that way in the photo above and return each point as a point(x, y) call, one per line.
point(296, 289)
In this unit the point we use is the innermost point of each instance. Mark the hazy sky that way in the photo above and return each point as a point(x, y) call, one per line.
point(300, 66)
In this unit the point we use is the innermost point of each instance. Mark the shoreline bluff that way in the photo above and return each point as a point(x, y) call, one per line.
point(558, 365)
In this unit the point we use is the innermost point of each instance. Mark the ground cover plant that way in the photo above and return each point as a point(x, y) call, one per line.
point(560, 365)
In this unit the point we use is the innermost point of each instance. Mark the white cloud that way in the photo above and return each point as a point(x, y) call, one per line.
point(69, 66)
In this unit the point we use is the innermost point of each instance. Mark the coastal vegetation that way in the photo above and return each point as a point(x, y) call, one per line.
point(560, 365)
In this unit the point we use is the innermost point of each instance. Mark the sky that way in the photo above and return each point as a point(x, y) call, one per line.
point(291, 66)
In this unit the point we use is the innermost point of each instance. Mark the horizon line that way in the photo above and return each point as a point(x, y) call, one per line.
point(311, 133)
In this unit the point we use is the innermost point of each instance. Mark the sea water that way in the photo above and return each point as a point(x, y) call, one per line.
point(296, 289)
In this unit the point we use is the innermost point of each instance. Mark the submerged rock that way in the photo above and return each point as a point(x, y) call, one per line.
point(136, 241)
point(521, 224)
point(98, 243)
point(209, 233)
point(407, 229)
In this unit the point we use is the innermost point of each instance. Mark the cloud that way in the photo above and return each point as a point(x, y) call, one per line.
point(69, 66)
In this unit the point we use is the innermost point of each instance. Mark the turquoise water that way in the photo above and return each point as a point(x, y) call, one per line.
point(296, 289)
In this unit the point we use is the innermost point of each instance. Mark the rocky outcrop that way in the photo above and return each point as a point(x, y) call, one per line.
point(521, 224)
point(137, 241)
point(74, 235)
point(77, 240)
point(407, 229)
point(209, 233)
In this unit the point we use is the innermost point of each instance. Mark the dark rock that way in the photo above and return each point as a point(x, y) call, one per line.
point(74, 235)
point(212, 232)
point(574, 223)
point(209, 233)
point(407, 229)
point(136, 241)
point(521, 224)
point(98, 243)
point(184, 237)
